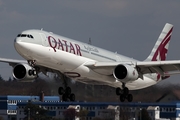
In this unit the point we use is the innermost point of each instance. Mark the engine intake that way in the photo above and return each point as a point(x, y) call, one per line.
point(24, 72)
point(125, 73)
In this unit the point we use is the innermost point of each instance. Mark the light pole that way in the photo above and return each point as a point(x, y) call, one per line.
point(29, 114)
point(140, 113)
point(37, 115)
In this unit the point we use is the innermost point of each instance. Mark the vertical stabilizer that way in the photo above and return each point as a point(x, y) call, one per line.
point(159, 52)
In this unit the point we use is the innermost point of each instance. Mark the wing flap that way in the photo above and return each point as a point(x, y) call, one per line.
point(159, 66)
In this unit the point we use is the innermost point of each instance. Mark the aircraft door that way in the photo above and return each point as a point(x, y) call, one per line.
point(43, 39)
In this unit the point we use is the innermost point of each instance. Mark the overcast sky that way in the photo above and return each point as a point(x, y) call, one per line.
point(129, 27)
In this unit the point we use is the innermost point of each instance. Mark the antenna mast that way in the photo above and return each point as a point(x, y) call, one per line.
point(89, 41)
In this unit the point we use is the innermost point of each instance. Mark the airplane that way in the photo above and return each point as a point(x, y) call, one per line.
point(48, 52)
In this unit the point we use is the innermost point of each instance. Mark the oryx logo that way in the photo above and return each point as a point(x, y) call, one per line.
point(158, 77)
point(161, 51)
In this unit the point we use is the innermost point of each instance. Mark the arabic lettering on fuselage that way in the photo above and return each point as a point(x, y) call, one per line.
point(57, 43)
point(90, 48)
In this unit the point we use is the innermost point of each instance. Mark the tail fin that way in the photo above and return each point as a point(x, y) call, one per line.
point(159, 52)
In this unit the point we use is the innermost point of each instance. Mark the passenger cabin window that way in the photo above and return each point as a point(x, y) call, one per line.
point(25, 35)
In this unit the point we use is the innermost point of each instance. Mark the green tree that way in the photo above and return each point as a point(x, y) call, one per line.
point(143, 115)
point(97, 118)
point(1, 118)
point(82, 114)
point(9, 79)
point(35, 112)
point(69, 114)
point(124, 114)
point(1, 78)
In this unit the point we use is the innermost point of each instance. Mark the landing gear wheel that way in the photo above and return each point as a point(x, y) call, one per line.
point(61, 90)
point(125, 91)
point(72, 97)
point(68, 90)
point(122, 98)
point(64, 97)
point(129, 97)
point(30, 72)
point(118, 91)
point(34, 72)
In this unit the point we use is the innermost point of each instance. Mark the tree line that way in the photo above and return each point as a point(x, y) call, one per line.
point(83, 92)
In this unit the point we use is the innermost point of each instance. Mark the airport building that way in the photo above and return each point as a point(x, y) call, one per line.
point(8, 104)
point(12, 108)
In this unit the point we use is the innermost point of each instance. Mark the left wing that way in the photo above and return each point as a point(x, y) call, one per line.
point(161, 67)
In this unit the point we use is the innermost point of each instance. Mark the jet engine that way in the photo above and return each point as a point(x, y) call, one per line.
point(125, 73)
point(24, 72)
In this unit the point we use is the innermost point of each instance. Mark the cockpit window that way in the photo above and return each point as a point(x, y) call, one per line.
point(31, 36)
point(25, 35)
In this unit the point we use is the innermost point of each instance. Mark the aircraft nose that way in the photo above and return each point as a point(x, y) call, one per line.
point(17, 44)
point(20, 46)
point(16, 40)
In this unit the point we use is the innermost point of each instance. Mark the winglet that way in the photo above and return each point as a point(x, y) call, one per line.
point(159, 52)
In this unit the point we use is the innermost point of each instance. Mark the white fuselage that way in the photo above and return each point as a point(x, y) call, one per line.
point(69, 56)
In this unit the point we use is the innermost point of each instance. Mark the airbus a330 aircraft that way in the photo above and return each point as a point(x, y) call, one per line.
point(47, 52)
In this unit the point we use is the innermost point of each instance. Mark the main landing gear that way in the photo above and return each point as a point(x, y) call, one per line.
point(66, 91)
point(66, 94)
point(124, 94)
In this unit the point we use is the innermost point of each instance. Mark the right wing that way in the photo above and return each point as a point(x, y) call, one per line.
point(12, 62)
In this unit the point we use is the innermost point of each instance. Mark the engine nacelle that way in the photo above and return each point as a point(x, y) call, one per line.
point(125, 73)
point(24, 72)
